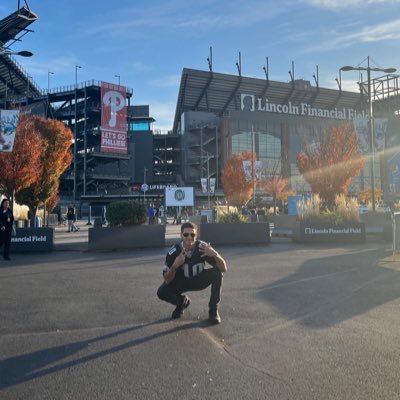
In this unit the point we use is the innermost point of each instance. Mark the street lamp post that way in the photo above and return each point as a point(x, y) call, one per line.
point(368, 69)
point(144, 185)
point(75, 134)
point(119, 78)
point(48, 80)
point(23, 53)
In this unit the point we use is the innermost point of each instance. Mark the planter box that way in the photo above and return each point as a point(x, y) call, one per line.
point(231, 234)
point(315, 232)
point(32, 239)
point(127, 237)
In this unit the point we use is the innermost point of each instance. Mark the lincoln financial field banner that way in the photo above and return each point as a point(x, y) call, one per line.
point(113, 119)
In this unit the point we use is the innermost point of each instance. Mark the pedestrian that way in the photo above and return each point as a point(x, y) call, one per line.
point(151, 213)
point(185, 270)
point(175, 215)
point(162, 214)
point(71, 218)
point(6, 227)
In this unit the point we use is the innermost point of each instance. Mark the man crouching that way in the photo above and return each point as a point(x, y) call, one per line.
point(185, 270)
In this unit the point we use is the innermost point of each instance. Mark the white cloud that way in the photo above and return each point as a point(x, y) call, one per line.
point(163, 113)
point(166, 81)
point(347, 4)
point(56, 65)
point(202, 16)
point(334, 40)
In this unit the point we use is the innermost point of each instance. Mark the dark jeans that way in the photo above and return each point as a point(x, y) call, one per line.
point(5, 240)
point(171, 292)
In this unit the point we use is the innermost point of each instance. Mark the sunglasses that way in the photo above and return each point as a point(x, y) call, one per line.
point(189, 234)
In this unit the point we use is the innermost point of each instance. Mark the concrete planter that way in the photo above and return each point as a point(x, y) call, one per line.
point(127, 237)
point(32, 240)
point(231, 234)
point(320, 232)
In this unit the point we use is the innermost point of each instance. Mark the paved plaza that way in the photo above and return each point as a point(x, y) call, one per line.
point(298, 322)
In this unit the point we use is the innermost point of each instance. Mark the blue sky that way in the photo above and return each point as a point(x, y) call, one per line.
point(148, 43)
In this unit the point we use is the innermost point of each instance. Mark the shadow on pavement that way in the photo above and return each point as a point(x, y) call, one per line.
point(19, 369)
point(330, 290)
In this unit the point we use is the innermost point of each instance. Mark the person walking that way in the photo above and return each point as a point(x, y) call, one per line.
point(6, 227)
point(71, 218)
point(185, 270)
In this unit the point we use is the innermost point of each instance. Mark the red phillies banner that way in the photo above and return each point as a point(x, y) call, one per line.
point(113, 119)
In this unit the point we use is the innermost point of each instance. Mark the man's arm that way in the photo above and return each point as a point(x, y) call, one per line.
point(178, 262)
point(207, 250)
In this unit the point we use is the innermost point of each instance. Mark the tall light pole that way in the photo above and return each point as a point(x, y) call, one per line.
point(253, 167)
point(371, 118)
point(75, 134)
point(144, 185)
point(48, 80)
point(119, 78)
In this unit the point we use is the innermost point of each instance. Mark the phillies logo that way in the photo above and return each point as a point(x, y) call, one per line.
point(116, 102)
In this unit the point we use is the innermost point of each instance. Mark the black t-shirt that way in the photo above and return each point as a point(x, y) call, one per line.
point(194, 262)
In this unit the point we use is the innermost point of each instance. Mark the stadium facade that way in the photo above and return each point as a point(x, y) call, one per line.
point(218, 115)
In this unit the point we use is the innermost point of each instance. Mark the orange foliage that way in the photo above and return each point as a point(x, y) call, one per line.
point(273, 185)
point(237, 190)
point(55, 157)
point(21, 167)
point(329, 166)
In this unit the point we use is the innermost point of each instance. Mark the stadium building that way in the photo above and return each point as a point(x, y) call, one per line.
point(218, 115)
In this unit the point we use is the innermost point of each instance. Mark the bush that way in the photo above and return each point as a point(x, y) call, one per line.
point(346, 210)
point(232, 218)
point(126, 213)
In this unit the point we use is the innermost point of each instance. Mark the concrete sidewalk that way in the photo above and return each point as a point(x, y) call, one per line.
point(78, 241)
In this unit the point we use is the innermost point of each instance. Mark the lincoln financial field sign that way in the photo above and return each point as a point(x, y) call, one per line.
point(250, 102)
point(321, 232)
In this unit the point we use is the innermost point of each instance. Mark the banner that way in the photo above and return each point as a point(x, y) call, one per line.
point(259, 170)
point(212, 185)
point(362, 132)
point(248, 173)
point(113, 119)
point(204, 186)
point(8, 126)
point(179, 196)
point(361, 127)
point(380, 129)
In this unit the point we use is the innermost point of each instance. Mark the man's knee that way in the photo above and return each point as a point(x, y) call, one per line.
point(161, 292)
point(216, 274)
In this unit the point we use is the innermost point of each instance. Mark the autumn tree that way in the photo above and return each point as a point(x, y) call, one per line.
point(365, 196)
point(55, 157)
point(272, 182)
point(329, 164)
point(21, 167)
point(238, 191)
